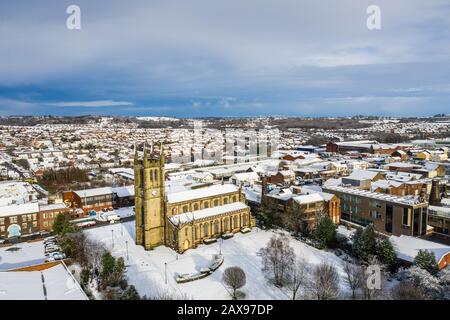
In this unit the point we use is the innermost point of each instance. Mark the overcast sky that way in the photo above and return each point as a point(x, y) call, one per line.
point(225, 58)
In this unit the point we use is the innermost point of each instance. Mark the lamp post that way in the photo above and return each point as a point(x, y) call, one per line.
point(165, 271)
point(126, 244)
point(220, 246)
point(112, 237)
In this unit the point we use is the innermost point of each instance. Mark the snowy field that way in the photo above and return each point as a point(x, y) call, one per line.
point(28, 253)
point(146, 269)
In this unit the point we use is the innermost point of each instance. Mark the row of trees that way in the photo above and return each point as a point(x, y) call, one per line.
point(57, 180)
point(323, 281)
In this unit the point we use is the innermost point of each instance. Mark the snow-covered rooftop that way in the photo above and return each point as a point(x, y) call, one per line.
point(362, 175)
point(93, 192)
point(308, 198)
point(204, 213)
point(53, 206)
point(18, 209)
point(408, 247)
point(26, 285)
point(408, 200)
point(201, 193)
point(127, 191)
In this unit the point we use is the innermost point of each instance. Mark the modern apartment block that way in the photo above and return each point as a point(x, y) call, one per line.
point(389, 214)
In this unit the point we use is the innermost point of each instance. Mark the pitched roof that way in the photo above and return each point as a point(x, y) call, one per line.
point(362, 175)
point(205, 213)
point(408, 247)
point(201, 193)
point(308, 198)
point(94, 192)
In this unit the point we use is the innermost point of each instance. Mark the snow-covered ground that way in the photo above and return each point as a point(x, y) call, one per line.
point(28, 253)
point(345, 232)
point(146, 269)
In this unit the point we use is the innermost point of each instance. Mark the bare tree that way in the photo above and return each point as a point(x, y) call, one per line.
point(325, 282)
point(234, 277)
point(95, 255)
point(277, 257)
point(354, 276)
point(292, 222)
point(74, 245)
point(406, 290)
point(298, 276)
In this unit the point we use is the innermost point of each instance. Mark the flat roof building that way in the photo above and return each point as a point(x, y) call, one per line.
point(389, 214)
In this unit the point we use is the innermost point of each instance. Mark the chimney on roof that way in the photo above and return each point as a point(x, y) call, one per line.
point(435, 196)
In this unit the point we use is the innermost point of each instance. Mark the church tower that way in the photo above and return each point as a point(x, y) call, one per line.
point(149, 198)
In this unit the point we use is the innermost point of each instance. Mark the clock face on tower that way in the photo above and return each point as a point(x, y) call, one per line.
point(154, 193)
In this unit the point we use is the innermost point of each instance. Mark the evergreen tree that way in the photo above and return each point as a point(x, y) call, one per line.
point(356, 242)
point(130, 294)
point(426, 260)
point(325, 232)
point(62, 226)
point(386, 253)
point(365, 244)
point(112, 270)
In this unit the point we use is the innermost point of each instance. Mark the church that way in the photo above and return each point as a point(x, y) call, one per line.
point(183, 220)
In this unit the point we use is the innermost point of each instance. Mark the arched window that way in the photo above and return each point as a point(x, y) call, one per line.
point(216, 203)
point(195, 206)
point(174, 211)
point(244, 219)
point(196, 232)
point(236, 222)
point(206, 205)
point(234, 199)
point(225, 200)
point(185, 209)
point(205, 230)
point(216, 227)
point(225, 224)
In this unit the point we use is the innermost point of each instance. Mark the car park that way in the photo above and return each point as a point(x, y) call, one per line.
point(52, 249)
point(57, 254)
point(55, 258)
